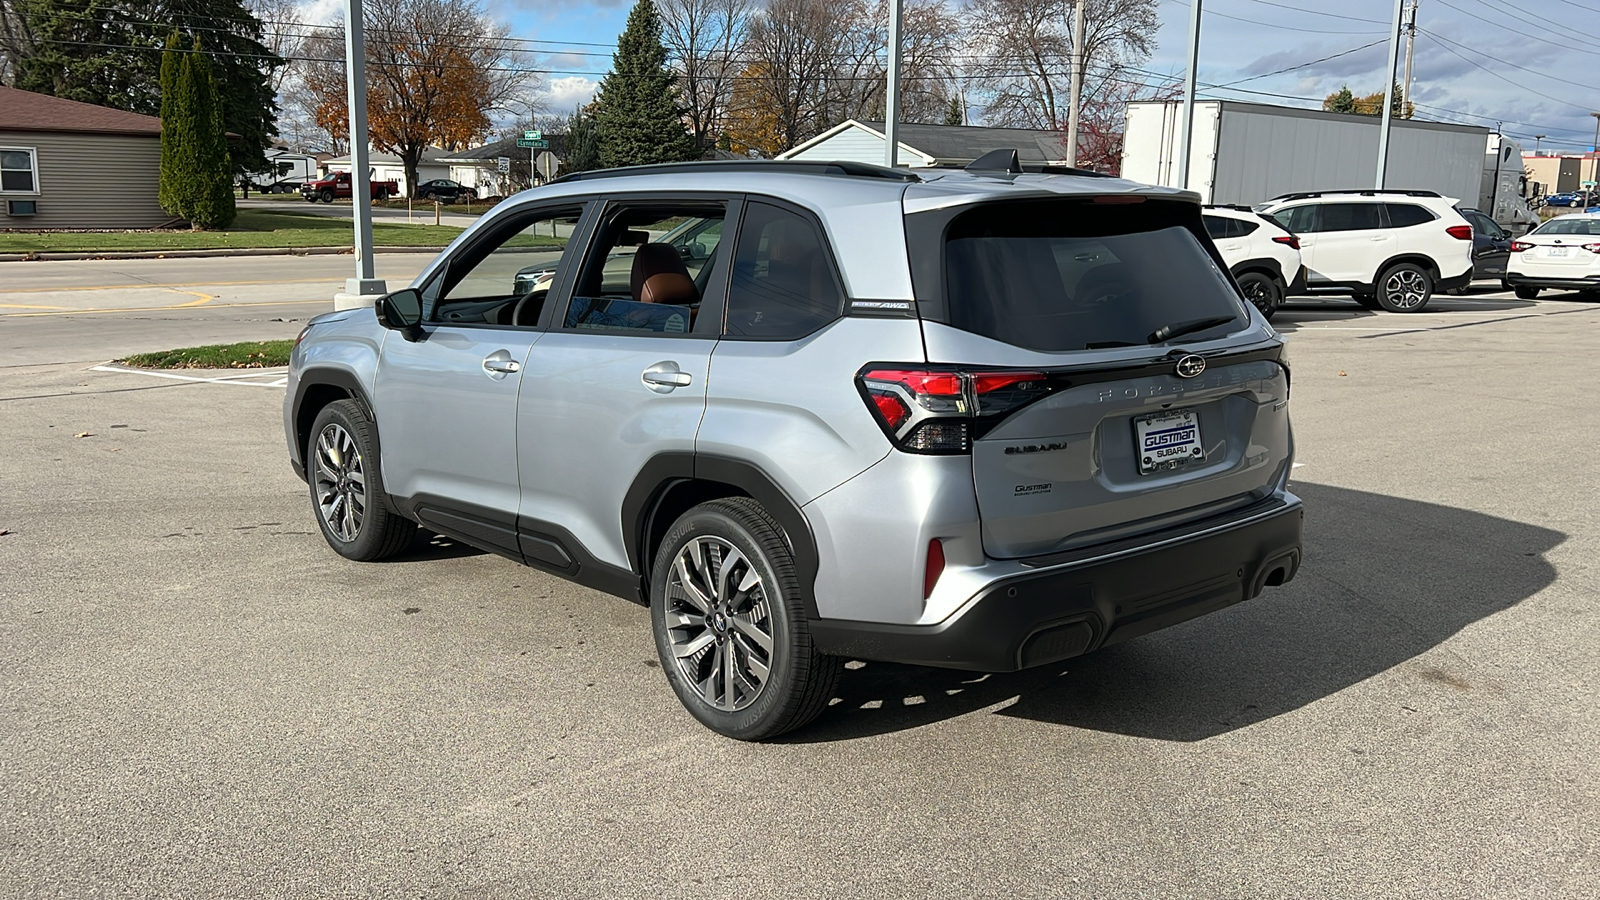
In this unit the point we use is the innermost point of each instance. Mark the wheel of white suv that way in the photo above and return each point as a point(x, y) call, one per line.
point(1262, 291)
point(347, 493)
point(1404, 288)
point(730, 627)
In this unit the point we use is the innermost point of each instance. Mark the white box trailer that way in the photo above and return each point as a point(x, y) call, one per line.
point(1246, 153)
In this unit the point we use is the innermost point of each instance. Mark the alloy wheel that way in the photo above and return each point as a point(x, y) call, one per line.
point(719, 623)
point(341, 482)
point(1406, 289)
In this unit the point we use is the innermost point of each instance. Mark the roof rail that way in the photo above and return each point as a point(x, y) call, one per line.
point(1369, 192)
point(1234, 206)
point(1007, 162)
point(787, 166)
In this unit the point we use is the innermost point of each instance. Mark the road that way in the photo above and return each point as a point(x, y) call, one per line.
point(202, 700)
point(96, 310)
point(421, 214)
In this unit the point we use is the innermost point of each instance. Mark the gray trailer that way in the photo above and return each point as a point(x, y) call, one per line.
point(1250, 152)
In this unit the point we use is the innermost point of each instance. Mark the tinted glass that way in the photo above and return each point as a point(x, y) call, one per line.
point(645, 273)
point(1218, 227)
point(783, 284)
point(1349, 217)
point(1570, 225)
point(1404, 215)
point(1298, 219)
point(506, 280)
point(1245, 228)
point(1069, 275)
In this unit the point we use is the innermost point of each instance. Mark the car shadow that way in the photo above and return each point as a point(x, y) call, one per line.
point(427, 546)
point(1385, 580)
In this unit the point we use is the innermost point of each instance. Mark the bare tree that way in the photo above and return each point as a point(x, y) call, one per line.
point(704, 39)
point(16, 39)
point(284, 32)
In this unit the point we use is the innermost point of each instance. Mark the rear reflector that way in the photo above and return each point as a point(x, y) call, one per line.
point(1288, 240)
point(930, 576)
point(1460, 232)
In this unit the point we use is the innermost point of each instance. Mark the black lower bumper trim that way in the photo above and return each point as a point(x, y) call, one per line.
point(1456, 281)
point(1569, 284)
point(1039, 618)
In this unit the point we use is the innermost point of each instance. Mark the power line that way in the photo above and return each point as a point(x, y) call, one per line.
point(1304, 65)
point(1185, 4)
point(1318, 12)
point(1515, 84)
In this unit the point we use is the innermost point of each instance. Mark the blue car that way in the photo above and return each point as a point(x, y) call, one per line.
point(1570, 198)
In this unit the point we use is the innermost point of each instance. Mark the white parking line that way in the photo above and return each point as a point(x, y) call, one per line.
point(278, 377)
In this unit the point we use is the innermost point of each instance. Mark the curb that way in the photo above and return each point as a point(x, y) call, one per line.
point(49, 256)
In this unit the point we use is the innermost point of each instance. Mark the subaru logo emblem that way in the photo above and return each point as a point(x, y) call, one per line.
point(1190, 366)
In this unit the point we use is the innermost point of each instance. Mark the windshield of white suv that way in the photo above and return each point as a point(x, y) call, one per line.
point(1080, 275)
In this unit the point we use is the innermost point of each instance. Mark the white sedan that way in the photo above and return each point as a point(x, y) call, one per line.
point(1563, 253)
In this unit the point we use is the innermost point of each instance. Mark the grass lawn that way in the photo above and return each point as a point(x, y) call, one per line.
point(248, 355)
point(253, 228)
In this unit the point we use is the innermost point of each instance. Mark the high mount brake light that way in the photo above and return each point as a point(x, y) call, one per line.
point(1288, 240)
point(1460, 232)
point(1117, 198)
point(941, 410)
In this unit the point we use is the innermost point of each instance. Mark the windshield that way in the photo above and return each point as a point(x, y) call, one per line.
point(1570, 225)
point(1077, 275)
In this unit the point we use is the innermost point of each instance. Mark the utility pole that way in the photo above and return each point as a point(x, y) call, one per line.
point(1079, 58)
point(1411, 38)
point(891, 106)
point(359, 290)
point(1594, 174)
point(1186, 124)
point(1388, 94)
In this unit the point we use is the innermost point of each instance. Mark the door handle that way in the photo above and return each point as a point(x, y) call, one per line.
point(665, 377)
point(505, 366)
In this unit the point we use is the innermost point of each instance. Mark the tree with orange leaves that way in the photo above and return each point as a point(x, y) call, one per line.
point(436, 69)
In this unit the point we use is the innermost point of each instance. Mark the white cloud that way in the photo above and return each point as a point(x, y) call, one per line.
point(568, 92)
point(322, 12)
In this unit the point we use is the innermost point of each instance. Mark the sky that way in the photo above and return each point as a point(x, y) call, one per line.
point(1533, 66)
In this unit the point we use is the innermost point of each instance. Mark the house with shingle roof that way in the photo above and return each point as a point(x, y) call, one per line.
point(65, 164)
point(922, 146)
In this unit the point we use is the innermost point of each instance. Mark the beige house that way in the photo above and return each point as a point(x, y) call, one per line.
point(65, 164)
point(1558, 173)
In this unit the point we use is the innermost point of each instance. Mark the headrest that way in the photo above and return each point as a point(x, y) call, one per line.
point(670, 288)
point(655, 259)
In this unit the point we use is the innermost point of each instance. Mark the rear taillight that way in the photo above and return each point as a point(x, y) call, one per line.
point(1288, 240)
point(926, 410)
point(1592, 248)
point(1460, 232)
point(302, 335)
point(1520, 246)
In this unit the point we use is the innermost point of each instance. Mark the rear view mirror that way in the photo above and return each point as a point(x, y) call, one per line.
point(401, 311)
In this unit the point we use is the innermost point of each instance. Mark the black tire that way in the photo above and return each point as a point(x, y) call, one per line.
point(311, 198)
point(1404, 288)
point(327, 196)
point(383, 194)
point(1367, 301)
point(799, 680)
point(1526, 292)
point(1263, 291)
point(377, 533)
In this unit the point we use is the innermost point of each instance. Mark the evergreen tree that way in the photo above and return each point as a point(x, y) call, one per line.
point(107, 52)
point(213, 188)
point(583, 149)
point(174, 165)
point(1341, 101)
point(636, 111)
point(954, 115)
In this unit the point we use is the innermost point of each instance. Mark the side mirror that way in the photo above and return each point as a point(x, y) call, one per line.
point(402, 312)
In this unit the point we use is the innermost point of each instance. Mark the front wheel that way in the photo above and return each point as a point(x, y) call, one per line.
point(327, 196)
point(1405, 288)
point(1262, 291)
point(1527, 292)
point(730, 626)
point(347, 494)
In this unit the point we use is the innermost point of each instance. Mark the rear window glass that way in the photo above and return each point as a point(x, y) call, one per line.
point(1569, 225)
point(1404, 215)
point(1073, 275)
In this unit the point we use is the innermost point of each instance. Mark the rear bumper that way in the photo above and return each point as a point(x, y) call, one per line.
point(1592, 283)
point(1071, 607)
point(1456, 281)
point(1298, 284)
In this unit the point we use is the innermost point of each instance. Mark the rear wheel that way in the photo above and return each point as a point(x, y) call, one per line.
point(1527, 292)
point(730, 626)
point(1405, 288)
point(383, 194)
point(347, 494)
point(1262, 291)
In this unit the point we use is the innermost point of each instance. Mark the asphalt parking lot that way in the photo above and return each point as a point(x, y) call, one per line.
point(201, 700)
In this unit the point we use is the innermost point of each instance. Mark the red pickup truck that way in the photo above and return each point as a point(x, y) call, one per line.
point(337, 186)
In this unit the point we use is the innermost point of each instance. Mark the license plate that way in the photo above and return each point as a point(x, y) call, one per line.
point(1557, 251)
point(1167, 440)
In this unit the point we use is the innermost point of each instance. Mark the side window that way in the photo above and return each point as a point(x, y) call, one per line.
point(1243, 228)
point(648, 268)
point(1298, 219)
point(1350, 217)
point(505, 278)
point(783, 284)
point(1217, 227)
point(1404, 215)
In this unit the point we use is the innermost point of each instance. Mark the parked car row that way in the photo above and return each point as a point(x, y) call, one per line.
point(1572, 198)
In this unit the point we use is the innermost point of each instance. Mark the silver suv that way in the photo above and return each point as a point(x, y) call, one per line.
point(810, 412)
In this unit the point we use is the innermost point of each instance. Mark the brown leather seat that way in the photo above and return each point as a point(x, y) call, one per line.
point(659, 276)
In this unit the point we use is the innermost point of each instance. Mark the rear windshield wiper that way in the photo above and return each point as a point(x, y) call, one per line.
point(1178, 329)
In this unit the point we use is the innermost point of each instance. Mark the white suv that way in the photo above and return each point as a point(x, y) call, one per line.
point(1263, 257)
point(1389, 249)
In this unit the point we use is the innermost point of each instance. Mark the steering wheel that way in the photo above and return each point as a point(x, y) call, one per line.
point(537, 297)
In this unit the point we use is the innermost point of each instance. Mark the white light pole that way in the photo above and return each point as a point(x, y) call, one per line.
point(359, 291)
point(1388, 94)
point(1079, 58)
point(1186, 123)
point(891, 104)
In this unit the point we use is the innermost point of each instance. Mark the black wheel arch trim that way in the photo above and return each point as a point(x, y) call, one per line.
point(1265, 265)
point(328, 376)
point(667, 470)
